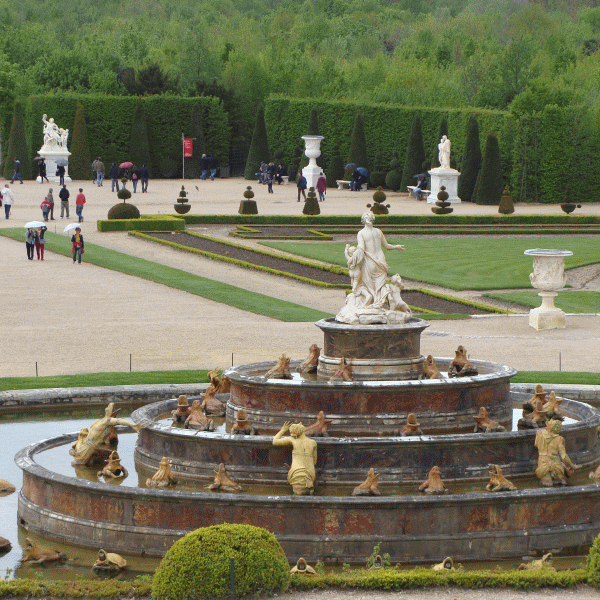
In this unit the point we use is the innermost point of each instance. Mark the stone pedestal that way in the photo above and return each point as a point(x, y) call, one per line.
point(389, 352)
point(51, 157)
point(548, 276)
point(312, 151)
point(444, 177)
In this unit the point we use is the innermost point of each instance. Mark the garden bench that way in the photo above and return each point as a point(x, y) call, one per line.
point(412, 192)
point(342, 184)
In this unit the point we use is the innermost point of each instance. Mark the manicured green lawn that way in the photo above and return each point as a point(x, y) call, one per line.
point(571, 301)
point(461, 263)
point(180, 280)
point(162, 377)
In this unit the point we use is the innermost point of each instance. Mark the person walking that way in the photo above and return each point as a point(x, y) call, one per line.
point(40, 242)
point(8, 199)
point(42, 169)
point(64, 201)
point(45, 206)
point(60, 171)
point(321, 187)
point(302, 184)
point(144, 176)
point(100, 172)
point(113, 173)
point(17, 173)
point(50, 198)
point(204, 165)
point(95, 171)
point(135, 177)
point(79, 202)
point(213, 163)
point(30, 243)
point(77, 240)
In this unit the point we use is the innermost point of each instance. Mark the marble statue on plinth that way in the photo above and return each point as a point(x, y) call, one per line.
point(444, 175)
point(372, 300)
point(55, 149)
point(444, 152)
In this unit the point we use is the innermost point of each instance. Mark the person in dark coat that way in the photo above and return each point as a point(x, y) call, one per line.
point(204, 165)
point(302, 185)
point(144, 176)
point(42, 168)
point(60, 171)
point(64, 201)
point(280, 171)
point(113, 173)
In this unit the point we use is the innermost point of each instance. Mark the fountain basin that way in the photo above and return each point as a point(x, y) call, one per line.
point(335, 529)
point(372, 407)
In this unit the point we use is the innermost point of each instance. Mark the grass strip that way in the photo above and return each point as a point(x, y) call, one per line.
point(575, 301)
point(103, 379)
point(460, 264)
point(216, 291)
point(187, 376)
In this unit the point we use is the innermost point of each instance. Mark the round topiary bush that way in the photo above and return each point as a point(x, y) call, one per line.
point(123, 211)
point(124, 194)
point(197, 565)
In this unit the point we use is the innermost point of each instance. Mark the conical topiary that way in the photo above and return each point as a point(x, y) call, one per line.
point(415, 155)
point(335, 170)
point(442, 206)
point(471, 162)
point(79, 161)
point(393, 178)
point(313, 123)
point(488, 189)
point(506, 206)
point(311, 204)
point(358, 146)
point(248, 205)
point(182, 206)
point(259, 146)
point(139, 143)
point(17, 147)
point(378, 208)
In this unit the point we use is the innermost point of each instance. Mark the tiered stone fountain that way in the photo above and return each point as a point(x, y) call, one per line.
point(366, 413)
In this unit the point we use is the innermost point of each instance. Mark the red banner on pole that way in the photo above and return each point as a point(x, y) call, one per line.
point(188, 147)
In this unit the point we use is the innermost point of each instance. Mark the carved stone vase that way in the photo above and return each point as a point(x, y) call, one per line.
point(548, 276)
point(312, 151)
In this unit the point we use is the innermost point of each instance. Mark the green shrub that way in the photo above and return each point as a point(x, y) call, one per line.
point(164, 223)
point(197, 565)
point(259, 147)
point(335, 169)
point(79, 163)
point(123, 211)
point(488, 189)
point(124, 194)
point(17, 146)
point(507, 205)
point(311, 204)
point(393, 179)
point(415, 154)
point(593, 563)
point(471, 161)
point(358, 145)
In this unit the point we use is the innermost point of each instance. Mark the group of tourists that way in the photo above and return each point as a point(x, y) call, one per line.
point(209, 164)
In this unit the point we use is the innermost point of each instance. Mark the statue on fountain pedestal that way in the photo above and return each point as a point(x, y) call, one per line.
point(301, 475)
point(372, 300)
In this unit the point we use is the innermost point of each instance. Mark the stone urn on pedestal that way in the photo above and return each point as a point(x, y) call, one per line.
point(548, 276)
point(312, 151)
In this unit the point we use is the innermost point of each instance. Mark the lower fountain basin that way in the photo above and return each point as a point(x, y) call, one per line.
point(411, 529)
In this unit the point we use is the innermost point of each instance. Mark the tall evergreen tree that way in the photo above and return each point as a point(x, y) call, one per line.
point(139, 142)
point(471, 161)
point(415, 154)
point(17, 147)
point(79, 161)
point(358, 145)
point(335, 169)
point(488, 189)
point(193, 170)
point(259, 146)
point(435, 159)
point(313, 123)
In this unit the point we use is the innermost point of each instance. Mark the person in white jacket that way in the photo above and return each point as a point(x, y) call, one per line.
point(8, 199)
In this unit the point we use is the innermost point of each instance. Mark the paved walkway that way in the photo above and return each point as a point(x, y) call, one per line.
point(80, 318)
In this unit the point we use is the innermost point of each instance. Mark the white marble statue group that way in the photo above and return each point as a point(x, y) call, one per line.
point(372, 299)
point(55, 137)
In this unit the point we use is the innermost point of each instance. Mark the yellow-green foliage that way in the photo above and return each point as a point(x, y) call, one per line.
point(75, 589)
point(593, 563)
point(197, 565)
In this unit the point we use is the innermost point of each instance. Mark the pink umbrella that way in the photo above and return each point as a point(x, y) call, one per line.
point(125, 165)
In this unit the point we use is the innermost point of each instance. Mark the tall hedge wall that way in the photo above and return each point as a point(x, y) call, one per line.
point(387, 127)
point(109, 120)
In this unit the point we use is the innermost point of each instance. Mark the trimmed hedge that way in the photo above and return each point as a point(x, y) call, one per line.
point(142, 224)
point(197, 565)
point(109, 122)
